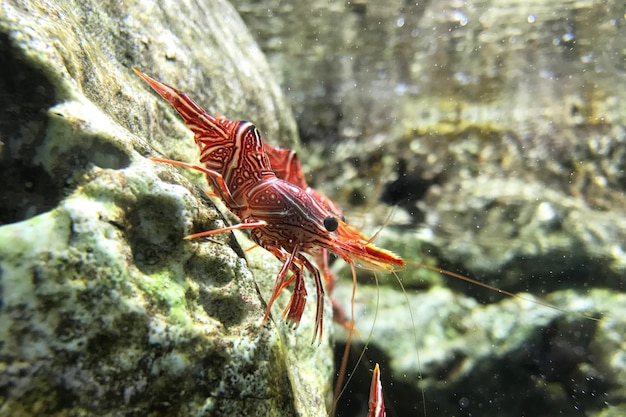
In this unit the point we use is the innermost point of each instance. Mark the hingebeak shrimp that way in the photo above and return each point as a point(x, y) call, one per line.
point(283, 218)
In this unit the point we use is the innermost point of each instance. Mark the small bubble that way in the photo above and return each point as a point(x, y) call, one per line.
point(401, 89)
point(464, 402)
point(531, 18)
point(460, 17)
point(462, 78)
point(400, 21)
point(587, 58)
point(568, 37)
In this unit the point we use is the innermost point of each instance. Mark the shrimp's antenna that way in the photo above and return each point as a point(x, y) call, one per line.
point(340, 388)
point(420, 376)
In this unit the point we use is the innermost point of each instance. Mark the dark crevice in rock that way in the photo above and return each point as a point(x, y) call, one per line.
point(157, 231)
point(25, 96)
point(228, 309)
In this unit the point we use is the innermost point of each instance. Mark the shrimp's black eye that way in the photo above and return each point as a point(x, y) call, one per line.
point(331, 223)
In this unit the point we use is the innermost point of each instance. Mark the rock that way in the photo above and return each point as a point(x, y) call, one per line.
point(518, 111)
point(461, 355)
point(104, 308)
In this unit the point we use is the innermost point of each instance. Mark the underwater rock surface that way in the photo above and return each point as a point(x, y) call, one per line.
point(104, 308)
point(515, 112)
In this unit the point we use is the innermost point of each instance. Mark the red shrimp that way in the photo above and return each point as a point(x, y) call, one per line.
point(283, 218)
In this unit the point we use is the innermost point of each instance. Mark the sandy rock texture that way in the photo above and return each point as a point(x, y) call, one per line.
point(104, 308)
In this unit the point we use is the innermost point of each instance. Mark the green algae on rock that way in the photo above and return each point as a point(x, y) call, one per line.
point(79, 312)
point(104, 308)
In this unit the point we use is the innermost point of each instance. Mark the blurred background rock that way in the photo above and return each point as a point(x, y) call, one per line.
point(499, 129)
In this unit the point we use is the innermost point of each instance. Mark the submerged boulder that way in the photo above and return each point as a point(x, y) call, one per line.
point(104, 308)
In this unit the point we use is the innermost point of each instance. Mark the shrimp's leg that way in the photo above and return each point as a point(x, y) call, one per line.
point(247, 225)
point(339, 315)
point(319, 312)
point(219, 180)
point(294, 309)
point(216, 176)
point(281, 281)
